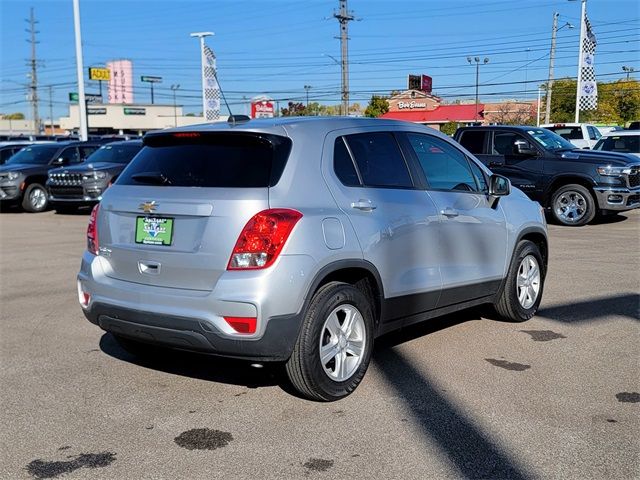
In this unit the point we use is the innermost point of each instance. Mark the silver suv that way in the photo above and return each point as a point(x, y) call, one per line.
point(302, 240)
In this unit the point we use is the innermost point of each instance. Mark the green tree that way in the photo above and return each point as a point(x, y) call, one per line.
point(449, 128)
point(378, 105)
point(293, 109)
point(13, 116)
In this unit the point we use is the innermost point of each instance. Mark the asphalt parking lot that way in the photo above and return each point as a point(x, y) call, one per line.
point(459, 397)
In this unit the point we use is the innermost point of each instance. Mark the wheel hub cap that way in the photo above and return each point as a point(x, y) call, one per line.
point(528, 281)
point(342, 342)
point(570, 207)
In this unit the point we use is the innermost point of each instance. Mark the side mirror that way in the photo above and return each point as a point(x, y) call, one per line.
point(522, 147)
point(499, 186)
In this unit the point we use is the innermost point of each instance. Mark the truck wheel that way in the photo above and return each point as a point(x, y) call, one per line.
point(573, 205)
point(522, 290)
point(334, 347)
point(35, 198)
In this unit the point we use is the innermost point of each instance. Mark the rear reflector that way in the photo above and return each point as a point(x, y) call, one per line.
point(83, 297)
point(242, 324)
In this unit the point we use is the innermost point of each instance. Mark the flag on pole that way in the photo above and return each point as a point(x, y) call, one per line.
point(587, 86)
point(211, 88)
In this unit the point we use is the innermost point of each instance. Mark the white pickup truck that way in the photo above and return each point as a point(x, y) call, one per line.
point(582, 135)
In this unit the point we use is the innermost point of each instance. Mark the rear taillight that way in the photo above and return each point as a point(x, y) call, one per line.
point(92, 231)
point(262, 239)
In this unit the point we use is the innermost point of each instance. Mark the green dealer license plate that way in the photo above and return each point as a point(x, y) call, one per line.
point(154, 230)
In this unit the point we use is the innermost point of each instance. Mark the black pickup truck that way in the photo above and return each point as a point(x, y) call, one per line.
point(573, 184)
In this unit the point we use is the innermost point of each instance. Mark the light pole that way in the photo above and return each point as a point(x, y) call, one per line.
point(629, 70)
point(552, 56)
point(82, 105)
point(203, 62)
point(174, 88)
point(335, 60)
point(583, 12)
point(477, 62)
point(307, 88)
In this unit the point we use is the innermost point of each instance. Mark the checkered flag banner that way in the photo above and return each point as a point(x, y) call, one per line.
point(211, 89)
point(587, 81)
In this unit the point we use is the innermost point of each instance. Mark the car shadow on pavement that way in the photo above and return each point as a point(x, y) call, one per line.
point(465, 444)
point(608, 219)
point(624, 305)
point(198, 366)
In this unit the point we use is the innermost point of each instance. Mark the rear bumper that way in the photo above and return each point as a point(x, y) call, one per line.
point(194, 319)
point(617, 199)
point(276, 344)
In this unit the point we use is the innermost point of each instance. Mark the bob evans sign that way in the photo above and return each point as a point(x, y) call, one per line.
point(412, 104)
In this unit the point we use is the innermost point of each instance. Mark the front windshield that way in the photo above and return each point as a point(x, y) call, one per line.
point(114, 153)
point(550, 140)
point(37, 155)
point(619, 143)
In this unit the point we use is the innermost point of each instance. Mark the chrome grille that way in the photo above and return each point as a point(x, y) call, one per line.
point(65, 178)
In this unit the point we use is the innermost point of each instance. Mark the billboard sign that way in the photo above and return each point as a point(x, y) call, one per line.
point(99, 73)
point(262, 108)
point(424, 83)
point(121, 81)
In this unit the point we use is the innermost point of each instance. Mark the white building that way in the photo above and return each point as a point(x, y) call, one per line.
point(128, 118)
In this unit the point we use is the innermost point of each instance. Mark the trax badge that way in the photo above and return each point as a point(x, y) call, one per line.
point(148, 207)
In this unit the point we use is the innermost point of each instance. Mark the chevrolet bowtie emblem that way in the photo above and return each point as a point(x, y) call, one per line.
point(148, 207)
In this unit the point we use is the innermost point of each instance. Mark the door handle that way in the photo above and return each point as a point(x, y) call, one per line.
point(364, 205)
point(449, 212)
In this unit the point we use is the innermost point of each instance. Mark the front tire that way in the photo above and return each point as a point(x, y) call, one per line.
point(521, 293)
point(35, 198)
point(334, 347)
point(573, 205)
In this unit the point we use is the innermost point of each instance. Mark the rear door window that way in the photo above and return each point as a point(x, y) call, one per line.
point(191, 159)
point(379, 160)
point(473, 141)
point(343, 164)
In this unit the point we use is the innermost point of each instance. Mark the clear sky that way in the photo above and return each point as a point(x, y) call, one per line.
point(278, 46)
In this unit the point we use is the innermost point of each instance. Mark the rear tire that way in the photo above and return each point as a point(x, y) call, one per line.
point(573, 205)
point(35, 198)
point(521, 293)
point(339, 325)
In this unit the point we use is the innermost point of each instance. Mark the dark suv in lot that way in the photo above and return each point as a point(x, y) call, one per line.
point(83, 184)
point(575, 184)
point(23, 177)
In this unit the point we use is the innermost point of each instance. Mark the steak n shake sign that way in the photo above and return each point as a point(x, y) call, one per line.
point(411, 105)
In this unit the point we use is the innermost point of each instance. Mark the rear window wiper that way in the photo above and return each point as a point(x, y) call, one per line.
point(152, 178)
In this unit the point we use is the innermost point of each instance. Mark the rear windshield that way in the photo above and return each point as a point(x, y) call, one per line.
point(621, 143)
point(229, 160)
point(115, 153)
point(568, 133)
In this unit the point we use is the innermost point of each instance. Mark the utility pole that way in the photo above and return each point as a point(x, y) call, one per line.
point(174, 88)
point(307, 88)
point(552, 57)
point(51, 108)
point(33, 63)
point(344, 17)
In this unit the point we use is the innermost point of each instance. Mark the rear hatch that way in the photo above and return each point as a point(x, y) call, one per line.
point(175, 213)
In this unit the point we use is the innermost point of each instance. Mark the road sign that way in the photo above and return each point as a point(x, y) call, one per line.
point(150, 79)
point(89, 97)
point(99, 73)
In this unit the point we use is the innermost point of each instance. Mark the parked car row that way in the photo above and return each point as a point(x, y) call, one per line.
point(32, 176)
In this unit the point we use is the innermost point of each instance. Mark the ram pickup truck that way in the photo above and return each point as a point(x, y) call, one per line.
point(574, 184)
